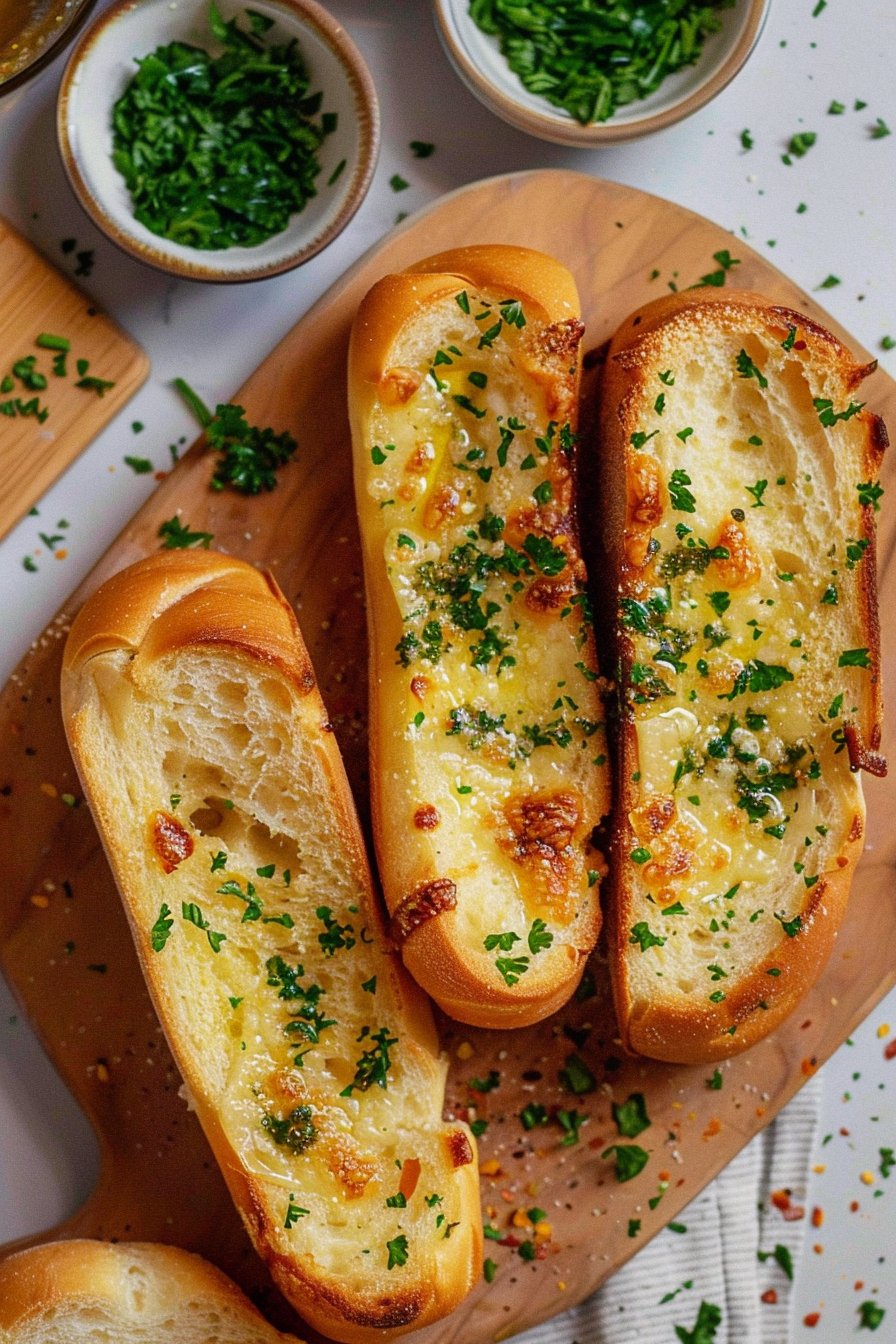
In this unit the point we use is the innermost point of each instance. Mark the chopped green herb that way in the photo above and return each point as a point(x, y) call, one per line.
point(177, 536)
point(747, 369)
point(631, 1116)
point(421, 149)
point(576, 1077)
point(161, 930)
point(630, 1160)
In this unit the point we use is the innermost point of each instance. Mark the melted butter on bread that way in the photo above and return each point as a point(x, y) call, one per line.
point(488, 704)
point(744, 552)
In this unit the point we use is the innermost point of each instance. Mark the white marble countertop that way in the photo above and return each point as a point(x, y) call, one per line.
point(215, 335)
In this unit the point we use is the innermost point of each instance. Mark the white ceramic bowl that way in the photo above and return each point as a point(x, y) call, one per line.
point(102, 64)
point(477, 59)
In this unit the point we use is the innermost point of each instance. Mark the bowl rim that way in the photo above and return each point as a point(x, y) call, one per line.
point(55, 49)
point(361, 82)
point(595, 134)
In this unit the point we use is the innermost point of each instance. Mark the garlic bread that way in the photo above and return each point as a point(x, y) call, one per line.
point(488, 754)
point(310, 1055)
point(740, 488)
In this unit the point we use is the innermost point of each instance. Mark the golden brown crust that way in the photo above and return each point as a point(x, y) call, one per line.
point(48, 1280)
point(433, 950)
point(180, 601)
point(632, 499)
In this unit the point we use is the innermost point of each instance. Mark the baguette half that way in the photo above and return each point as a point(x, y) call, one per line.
point(740, 487)
point(93, 1292)
point(488, 756)
point(205, 753)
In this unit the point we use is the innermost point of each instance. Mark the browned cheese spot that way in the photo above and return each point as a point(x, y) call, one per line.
point(549, 354)
point(459, 1148)
point(441, 507)
point(171, 841)
point(399, 384)
point(547, 594)
point(346, 1162)
point(427, 817)
point(644, 506)
point(742, 567)
point(424, 903)
point(538, 833)
point(670, 838)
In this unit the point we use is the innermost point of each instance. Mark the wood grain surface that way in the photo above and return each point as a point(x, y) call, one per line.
point(64, 942)
point(37, 299)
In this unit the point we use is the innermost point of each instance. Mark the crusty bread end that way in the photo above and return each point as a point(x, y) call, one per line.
point(93, 1292)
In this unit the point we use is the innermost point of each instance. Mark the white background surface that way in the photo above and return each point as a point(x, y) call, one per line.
point(215, 336)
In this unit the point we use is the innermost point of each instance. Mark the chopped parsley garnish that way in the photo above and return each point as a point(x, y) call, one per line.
point(747, 369)
point(161, 930)
point(295, 1131)
point(854, 658)
point(293, 1214)
point(679, 495)
point(421, 149)
point(219, 152)
point(757, 491)
point(870, 493)
point(870, 1315)
point(539, 938)
point(374, 1064)
point(511, 968)
point(709, 1317)
point(715, 1082)
point(548, 558)
point(641, 936)
point(193, 915)
point(800, 144)
point(576, 1077)
point(790, 926)
point(631, 1116)
point(336, 935)
point(630, 1160)
point(532, 1114)
point(485, 1084)
point(570, 1122)
point(398, 183)
point(758, 676)
point(828, 416)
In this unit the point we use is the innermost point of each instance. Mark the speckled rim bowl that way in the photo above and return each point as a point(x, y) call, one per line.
point(478, 61)
point(102, 64)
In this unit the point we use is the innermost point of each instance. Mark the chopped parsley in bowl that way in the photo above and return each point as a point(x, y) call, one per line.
point(590, 72)
point(227, 141)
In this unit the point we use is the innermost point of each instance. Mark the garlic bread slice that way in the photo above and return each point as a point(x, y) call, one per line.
point(310, 1055)
point(488, 754)
point(740, 488)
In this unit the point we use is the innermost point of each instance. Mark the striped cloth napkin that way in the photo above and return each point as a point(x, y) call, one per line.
point(712, 1276)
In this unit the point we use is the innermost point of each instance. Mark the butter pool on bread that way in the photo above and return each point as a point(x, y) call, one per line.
point(94, 1292)
point(488, 753)
point(740, 487)
point(214, 778)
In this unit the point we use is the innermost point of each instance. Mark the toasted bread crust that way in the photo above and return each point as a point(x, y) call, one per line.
point(662, 1025)
point(172, 604)
point(445, 962)
point(65, 1276)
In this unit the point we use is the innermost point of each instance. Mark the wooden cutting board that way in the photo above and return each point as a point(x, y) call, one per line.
point(63, 939)
point(38, 299)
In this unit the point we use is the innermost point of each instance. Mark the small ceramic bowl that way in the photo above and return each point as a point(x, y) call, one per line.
point(477, 59)
point(101, 66)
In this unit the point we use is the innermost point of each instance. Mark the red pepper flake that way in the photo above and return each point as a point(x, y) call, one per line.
point(812, 1319)
point(845, 1133)
point(854, 1206)
point(859, 1285)
point(818, 1248)
point(781, 1199)
point(769, 1296)
point(793, 1214)
point(890, 1050)
point(817, 1217)
point(511, 1241)
point(713, 1128)
point(809, 1066)
point(807, 1023)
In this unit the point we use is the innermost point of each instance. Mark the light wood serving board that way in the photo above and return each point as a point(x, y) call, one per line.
point(158, 1180)
point(38, 298)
